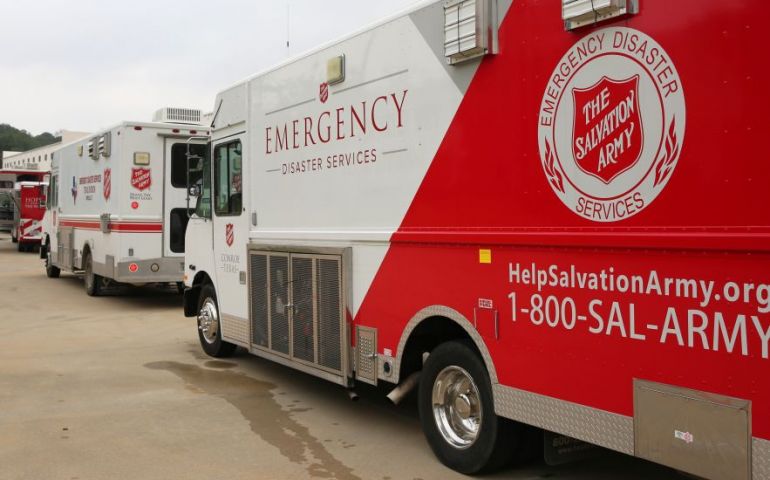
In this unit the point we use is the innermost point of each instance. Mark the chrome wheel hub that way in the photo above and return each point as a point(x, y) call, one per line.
point(457, 407)
point(208, 321)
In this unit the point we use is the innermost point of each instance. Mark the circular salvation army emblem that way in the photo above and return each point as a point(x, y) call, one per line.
point(611, 124)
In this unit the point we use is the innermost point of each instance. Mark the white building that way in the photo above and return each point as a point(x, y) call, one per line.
point(40, 158)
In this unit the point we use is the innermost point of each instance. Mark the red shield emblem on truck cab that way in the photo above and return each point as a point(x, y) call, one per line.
point(323, 93)
point(229, 234)
point(141, 178)
point(607, 135)
point(107, 185)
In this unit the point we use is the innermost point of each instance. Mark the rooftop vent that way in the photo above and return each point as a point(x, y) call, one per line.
point(178, 115)
point(578, 13)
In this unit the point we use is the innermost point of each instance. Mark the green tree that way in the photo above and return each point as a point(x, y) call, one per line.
point(13, 139)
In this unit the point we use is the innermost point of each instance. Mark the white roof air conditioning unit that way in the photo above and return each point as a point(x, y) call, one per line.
point(178, 115)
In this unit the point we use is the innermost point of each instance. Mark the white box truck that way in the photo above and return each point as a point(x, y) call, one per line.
point(532, 213)
point(118, 209)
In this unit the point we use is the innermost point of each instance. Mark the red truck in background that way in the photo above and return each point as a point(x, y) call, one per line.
point(29, 208)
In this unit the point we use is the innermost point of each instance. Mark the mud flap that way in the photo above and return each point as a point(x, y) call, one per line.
point(191, 301)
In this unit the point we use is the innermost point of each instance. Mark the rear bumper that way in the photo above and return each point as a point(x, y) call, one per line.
point(154, 270)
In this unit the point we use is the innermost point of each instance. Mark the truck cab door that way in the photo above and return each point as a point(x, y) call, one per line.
point(231, 229)
point(175, 206)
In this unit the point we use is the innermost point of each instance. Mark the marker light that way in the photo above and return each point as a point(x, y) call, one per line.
point(133, 268)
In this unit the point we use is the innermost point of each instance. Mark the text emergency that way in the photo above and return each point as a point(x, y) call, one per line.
point(369, 116)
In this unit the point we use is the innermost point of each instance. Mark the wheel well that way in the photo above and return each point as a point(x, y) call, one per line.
point(201, 278)
point(191, 294)
point(429, 334)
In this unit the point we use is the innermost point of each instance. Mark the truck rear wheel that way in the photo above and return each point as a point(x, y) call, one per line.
point(209, 327)
point(50, 270)
point(457, 412)
point(92, 280)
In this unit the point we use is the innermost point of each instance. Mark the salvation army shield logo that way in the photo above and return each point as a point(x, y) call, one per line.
point(107, 183)
point(611, 124)
point(607, 130)
point(229, 234)
point(141, 178)
point(323, 94)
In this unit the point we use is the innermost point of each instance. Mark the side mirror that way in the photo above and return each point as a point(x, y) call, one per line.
point(194, 191)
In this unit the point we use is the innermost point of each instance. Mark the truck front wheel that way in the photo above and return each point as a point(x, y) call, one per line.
point(457, 411)
point(209, 327)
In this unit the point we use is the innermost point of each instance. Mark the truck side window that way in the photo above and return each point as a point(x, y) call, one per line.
point(227, 179)
point(179, 164)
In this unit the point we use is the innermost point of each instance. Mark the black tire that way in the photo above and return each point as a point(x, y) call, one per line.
point(211, 341)
point(13, 238)
point(180, 288)
point(50, 270)
point(496, 440)
point(20, 246)
point(92, 281)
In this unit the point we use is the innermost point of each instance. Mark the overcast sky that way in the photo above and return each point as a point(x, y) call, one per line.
point(88, 64)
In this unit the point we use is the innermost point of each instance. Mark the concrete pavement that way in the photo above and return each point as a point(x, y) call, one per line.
point(118, 388)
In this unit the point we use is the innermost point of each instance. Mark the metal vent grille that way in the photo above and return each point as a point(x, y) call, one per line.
point(578, 13)
point(93, 151)
point(297, 306)
point(466, 27)
point(259, 306)
point(303, 312)
point(329, 314)
point(105, 144)
point(279, 304)
point(366, 355)
point(178, 115)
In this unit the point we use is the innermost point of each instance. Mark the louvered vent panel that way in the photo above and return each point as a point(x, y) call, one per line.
point(329, 314)
point(303, 311)
point(279, 296)
point(259, 305)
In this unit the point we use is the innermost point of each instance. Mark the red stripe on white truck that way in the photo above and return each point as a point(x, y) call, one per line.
point(127, 227)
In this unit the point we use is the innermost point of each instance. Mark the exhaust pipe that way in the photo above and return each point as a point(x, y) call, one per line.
point(352, 395)
point(401, 391)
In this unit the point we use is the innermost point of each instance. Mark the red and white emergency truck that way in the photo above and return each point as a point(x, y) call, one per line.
point(29, 208)
point(8, 179)
point(118, 209)
point(555, 212)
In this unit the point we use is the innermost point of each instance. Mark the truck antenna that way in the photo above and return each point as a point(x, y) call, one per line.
point(216, 114)
point(288, 29)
